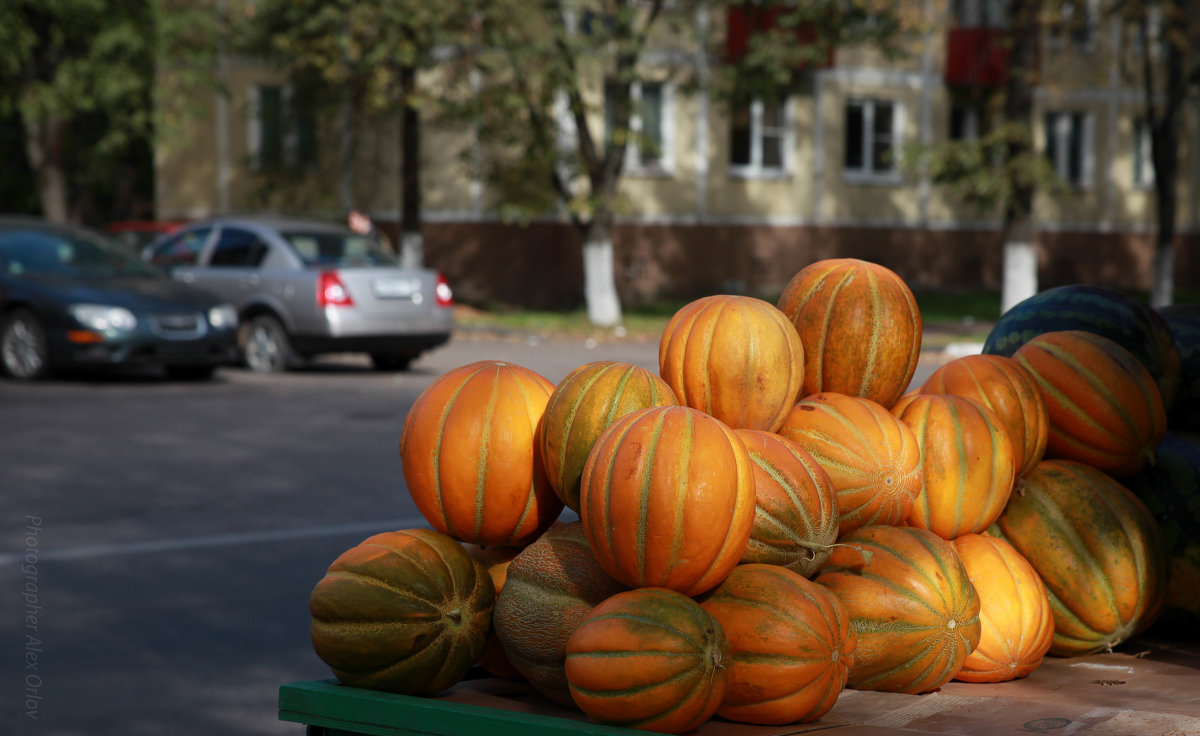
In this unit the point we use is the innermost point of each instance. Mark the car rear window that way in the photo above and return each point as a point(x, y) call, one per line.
point(42, 252)
point(337, 250)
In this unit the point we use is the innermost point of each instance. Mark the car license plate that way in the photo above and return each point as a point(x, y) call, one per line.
point(395, 288)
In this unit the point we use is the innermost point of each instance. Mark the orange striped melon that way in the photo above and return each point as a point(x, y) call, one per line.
point(860, 328)
point(910, 601)
point(1009, 391)
point(469, 454)
point(967, 464)
point(668, 499)
point(1104, 407)
point(650, 659)
point(1016, 622)
point(796, 511)
point(791, 645)
point(871, 457)
point(734, 357)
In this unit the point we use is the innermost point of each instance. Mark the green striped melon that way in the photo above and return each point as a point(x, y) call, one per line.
point(405, 612)
point(1170, 488)
point(582, 406)
point(912, 604)
point(551, 587)
point(1096, 547)
point(1184, 323)
point(796, 505)
point(1102, 310)
point(650, 659)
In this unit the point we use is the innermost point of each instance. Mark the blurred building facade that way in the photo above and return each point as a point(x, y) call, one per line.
point(736, 197)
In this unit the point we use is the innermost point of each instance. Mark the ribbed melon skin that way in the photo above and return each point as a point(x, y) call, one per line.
point(668, 499)
point(734, 357)
point(650, 659)
point(967, 461)
point(406, 612)
point(796, 511)
point(469, 454)
point(1017, 623)
point(1096, 547)
point(860, 327)
point(590, 398)
point(1170, 488)
point(1102, 310)
point(1007, 389)
point(911, 603)
point(1104, 408)
point(1184, 322)
point(791, 645)
point(551, 587)
point(872, 458)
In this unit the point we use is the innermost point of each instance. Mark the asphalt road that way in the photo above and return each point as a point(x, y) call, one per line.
point(159, 539)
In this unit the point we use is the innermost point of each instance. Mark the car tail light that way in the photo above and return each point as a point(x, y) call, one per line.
point(442, 292)
point(331, 292)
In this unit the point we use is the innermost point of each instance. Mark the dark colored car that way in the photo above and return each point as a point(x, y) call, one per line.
point(72, 297)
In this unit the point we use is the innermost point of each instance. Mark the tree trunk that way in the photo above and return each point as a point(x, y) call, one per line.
point(599, 277)
point(44, 147)
point(1020, 276)
point(412, 250)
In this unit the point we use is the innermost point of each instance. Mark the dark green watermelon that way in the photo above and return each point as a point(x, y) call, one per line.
point(1184, 322)
point(1102, 310)
point(1170, 488)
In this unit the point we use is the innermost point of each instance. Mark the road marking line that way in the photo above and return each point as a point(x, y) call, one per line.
point(216, 540)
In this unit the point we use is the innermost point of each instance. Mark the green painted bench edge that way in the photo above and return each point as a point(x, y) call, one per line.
point(356, 710)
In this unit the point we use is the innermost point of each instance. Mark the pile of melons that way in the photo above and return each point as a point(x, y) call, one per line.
point(772, 518)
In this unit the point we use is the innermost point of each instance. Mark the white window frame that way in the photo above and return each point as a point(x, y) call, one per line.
point(633, 164)
point(1061, 130)
point(1059, 38)
point(755, 169)
point(1143, 155)
point(867, 173)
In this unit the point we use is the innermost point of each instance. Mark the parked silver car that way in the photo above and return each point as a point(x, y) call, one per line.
point(304, 287)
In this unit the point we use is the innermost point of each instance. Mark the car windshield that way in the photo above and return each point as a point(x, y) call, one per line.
point(338, 250)
point(32, 251)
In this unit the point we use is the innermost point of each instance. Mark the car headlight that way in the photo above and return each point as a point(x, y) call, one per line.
point(223, 317)
point(103, 318)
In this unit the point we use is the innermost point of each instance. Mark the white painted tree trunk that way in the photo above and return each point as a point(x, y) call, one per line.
point(1019, 273)
point(412, 249)
point(599, 283)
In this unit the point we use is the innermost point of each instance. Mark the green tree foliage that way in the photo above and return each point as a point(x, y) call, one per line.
point(79, 77)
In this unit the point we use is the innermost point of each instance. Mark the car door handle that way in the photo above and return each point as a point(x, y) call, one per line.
point(186, 277)
point(248, 281)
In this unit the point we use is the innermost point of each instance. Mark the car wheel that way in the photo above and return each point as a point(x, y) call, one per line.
point(23, 350)
point(190, 372)
point(265, 345)
point(391, 361)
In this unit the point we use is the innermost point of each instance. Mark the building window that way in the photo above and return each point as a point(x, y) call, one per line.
point(1069, 138)
point(979, 13)
point(966, 121)
point(759, 138)
point(1074, 24)
point(282, 132)
point(649, 144)
point(1143, 157)
point(873, 135)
